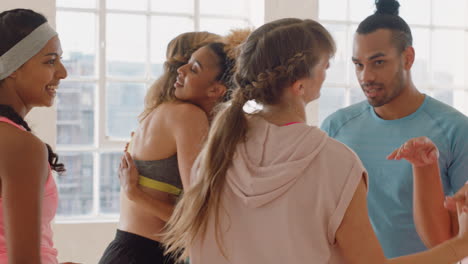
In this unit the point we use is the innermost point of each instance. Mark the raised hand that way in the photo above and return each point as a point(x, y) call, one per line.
point(419, 152)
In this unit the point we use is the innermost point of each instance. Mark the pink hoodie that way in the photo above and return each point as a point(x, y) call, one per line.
point(285, 196)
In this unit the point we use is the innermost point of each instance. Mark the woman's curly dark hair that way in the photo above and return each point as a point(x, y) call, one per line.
point(8, 112)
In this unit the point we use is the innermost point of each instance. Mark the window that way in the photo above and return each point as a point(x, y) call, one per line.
point(113, 51)
point(440, 38)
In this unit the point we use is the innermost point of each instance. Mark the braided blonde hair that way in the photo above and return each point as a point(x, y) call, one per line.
point(273, 57)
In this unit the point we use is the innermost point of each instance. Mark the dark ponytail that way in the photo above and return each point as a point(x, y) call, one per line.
point(15, 25)
point(8, 112)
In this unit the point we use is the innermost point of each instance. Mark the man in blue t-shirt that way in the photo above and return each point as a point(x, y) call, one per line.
point(394, 112)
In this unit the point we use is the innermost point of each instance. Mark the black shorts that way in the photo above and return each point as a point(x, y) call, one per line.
point(128, 248)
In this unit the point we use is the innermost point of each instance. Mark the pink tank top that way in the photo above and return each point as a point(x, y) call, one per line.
point(49, 208)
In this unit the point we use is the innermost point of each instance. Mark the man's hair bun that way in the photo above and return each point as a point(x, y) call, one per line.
point(387, 7)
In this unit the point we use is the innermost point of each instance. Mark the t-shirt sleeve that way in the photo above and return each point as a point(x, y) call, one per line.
point(458, 169)
point(346, 194)
point(326, 126)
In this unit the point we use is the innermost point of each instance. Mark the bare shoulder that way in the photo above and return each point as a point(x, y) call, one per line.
point(20, 145)
point(185, 113)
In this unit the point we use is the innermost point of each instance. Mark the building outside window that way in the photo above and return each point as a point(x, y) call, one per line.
point(113, 51)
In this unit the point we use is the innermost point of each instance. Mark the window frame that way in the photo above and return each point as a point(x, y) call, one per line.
point(430, 87)
point(103, 143)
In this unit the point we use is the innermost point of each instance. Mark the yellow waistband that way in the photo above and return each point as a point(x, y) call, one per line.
point(160, 186)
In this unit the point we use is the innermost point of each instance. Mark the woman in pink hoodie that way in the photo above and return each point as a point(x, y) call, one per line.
point(268, 188)
point(436, 221)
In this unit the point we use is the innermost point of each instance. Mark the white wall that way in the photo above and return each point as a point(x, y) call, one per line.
point(276, 9)
point(85, 242)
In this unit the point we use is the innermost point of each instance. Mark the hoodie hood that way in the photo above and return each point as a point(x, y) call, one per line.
point(271, 159)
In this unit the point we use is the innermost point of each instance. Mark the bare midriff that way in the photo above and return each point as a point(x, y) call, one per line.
point(137, 220)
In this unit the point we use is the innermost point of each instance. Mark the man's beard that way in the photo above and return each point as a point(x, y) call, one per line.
point(388, 96)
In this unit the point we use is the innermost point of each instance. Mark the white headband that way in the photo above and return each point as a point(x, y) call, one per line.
point(25, 49)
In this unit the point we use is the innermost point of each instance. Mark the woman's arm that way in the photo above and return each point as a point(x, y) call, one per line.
point(359, 244)
point(128, 175)
point(190, 132)
point(433, 221)
point(190, 127)
point(452, 250)
point(355, 236)
point(23, 173)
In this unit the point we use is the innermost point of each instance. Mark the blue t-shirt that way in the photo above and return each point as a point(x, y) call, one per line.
point(390, 197)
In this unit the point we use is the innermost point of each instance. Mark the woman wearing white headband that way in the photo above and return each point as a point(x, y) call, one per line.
point(30, 71)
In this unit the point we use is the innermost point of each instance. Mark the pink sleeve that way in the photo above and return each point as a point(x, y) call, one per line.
point(347, 193)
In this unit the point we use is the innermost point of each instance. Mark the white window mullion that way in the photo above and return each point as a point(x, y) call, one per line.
point(77, 9)
point(196, 14)
point(100, 116)
point(100, 121)
point(148, 40)
point(148, 46)
point(82, 79)
point(349, 74)
point(96, 184)
point(113, 146)
point(226, 17)
point(123, 79)
point(117, 144)
point(78, 148)
point(430, 47)
point(348, 40)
